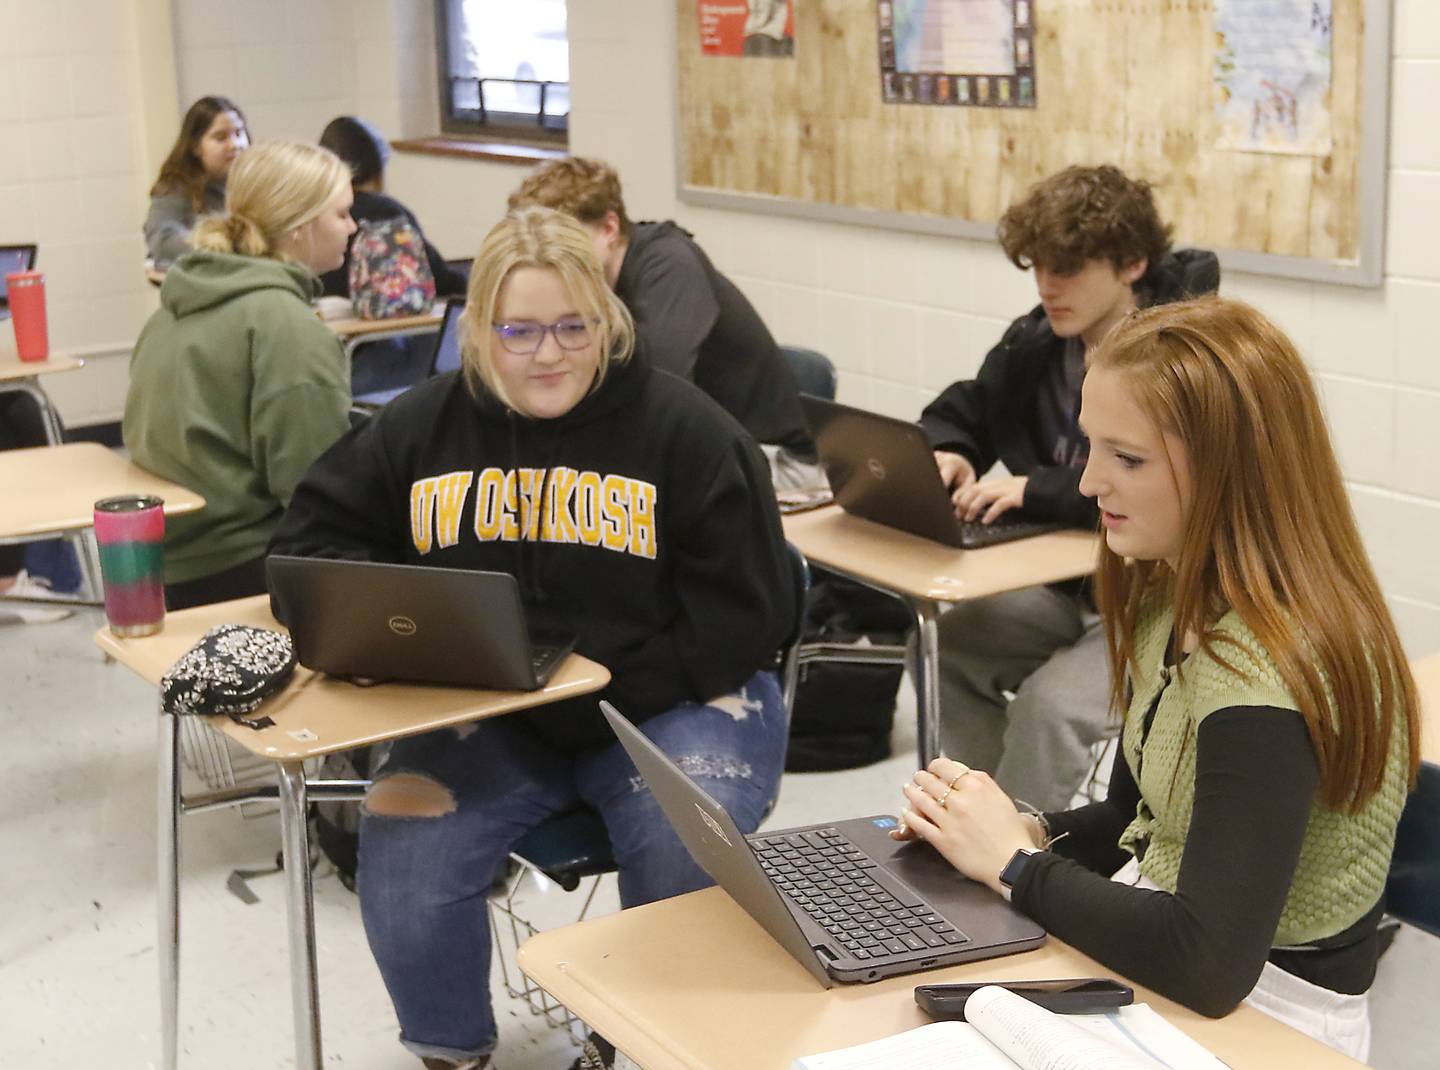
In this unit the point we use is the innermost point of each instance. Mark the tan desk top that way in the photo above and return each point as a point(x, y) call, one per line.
point(920, 568)
point(354, 327)
point(12, 367)
point(692, 982)
point(1427, 679)
point(52, 489)
point(317, 714)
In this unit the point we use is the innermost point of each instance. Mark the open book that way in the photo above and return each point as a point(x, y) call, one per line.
point(1003, 1031)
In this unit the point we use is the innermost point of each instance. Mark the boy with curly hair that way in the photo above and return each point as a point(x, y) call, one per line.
point(1099, 250)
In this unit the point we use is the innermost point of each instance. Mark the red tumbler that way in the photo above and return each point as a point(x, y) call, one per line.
point(26, 293)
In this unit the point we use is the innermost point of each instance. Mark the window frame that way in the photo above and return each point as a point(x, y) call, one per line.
point(488, 123)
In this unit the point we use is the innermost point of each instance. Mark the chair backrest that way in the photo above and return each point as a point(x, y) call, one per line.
point(814, 371)
point(1412, 890)
point(790, 651)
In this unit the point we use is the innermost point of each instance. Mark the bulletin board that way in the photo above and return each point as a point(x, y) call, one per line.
point(1128, 82)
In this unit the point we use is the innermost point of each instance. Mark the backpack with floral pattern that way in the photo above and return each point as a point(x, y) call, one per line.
point(389, 273)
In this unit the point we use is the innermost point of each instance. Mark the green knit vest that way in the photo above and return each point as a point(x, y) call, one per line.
point(1344, 857)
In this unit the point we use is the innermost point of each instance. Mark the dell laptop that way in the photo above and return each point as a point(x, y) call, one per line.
point(372, 622)
point(884, 470)
point(444, 357)
point(845, 900)
point(13, 258)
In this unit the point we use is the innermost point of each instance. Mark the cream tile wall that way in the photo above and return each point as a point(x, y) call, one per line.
point(293, 65)
point(73, 180)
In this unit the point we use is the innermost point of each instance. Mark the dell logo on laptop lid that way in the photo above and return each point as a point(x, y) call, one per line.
point(401, 625)
point(876, 468)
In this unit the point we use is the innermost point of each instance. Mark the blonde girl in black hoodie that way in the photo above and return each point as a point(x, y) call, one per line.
point(633, 511)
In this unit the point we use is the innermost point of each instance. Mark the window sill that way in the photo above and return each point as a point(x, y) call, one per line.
point(496, 151)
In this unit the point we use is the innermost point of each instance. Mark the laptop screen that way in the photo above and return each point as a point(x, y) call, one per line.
point(14, 258)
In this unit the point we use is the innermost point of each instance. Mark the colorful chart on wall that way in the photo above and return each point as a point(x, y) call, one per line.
point(977, 53)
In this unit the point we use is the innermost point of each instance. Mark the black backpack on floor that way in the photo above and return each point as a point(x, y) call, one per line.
point(843, 713)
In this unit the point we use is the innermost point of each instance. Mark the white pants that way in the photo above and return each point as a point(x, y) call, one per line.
point(1336, 1019)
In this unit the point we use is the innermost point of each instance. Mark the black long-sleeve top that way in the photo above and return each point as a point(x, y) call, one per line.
point(1205, 945)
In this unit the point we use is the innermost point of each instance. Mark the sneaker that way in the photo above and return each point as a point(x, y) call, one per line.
point(596, 1054)
point(28, 613)
point(432, 1063)
point(28, 588)
point(18, 602)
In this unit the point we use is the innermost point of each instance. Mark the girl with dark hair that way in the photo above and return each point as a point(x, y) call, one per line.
point(366, 152)
point(192, 178)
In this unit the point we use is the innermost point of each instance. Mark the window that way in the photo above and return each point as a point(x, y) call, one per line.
point(504, 67)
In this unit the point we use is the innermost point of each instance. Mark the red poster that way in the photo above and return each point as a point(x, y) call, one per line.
point(747, 28)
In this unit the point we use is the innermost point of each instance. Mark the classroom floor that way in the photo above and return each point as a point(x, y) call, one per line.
point(77, 939)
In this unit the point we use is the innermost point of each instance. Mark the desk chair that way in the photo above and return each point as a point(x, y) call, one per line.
point(572, 846)
point(814, 371)
point(1412, 890)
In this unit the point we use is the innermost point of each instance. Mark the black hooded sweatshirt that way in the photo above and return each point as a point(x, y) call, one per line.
point(996, 415)
point(699, 326)
point(658, 542)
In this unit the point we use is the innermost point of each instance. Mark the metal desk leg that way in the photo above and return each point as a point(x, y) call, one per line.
point(300, 911)
point(927, 679)
point(168, 899)
point(87, 552)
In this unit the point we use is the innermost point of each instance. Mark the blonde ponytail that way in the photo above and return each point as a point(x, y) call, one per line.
point(273, 189)
point(231, 234)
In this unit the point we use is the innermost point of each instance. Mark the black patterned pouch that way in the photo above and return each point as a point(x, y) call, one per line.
point(232, 670)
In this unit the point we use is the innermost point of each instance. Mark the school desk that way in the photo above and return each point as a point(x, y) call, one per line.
point(692, 983)
point(313, 716)
point(926, 574)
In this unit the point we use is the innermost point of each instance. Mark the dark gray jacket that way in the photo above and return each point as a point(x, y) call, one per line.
point(995, 415)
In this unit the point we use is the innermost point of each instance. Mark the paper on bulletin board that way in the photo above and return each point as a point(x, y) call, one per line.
point(1272, 75)
point(747, 28)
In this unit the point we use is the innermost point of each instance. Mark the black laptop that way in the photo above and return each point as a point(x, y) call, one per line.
point(13, 258)
point(848, 902)
point(884, 470)
point(444, 357)
point(373, 622)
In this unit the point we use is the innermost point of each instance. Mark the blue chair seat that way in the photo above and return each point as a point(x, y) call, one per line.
point(568, 847)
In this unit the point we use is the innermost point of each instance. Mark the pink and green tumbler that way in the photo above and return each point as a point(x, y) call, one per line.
point(130, 531)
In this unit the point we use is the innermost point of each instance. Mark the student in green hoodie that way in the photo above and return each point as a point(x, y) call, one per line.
point(235, 385)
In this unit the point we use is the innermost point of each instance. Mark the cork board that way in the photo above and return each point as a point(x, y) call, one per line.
point(1122, 81)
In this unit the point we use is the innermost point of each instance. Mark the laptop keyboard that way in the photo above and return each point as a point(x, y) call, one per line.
point(832, 881)
point(1005, 528)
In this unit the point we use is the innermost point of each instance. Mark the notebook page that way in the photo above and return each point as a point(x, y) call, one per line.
point(1036, 1039)
point(941, 1046)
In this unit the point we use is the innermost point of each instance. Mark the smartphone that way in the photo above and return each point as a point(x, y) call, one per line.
point(1075, 995)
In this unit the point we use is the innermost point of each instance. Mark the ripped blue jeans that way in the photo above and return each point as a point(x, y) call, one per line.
point(423, 879)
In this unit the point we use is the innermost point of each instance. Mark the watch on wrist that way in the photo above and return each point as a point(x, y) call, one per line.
point(1013, 868)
